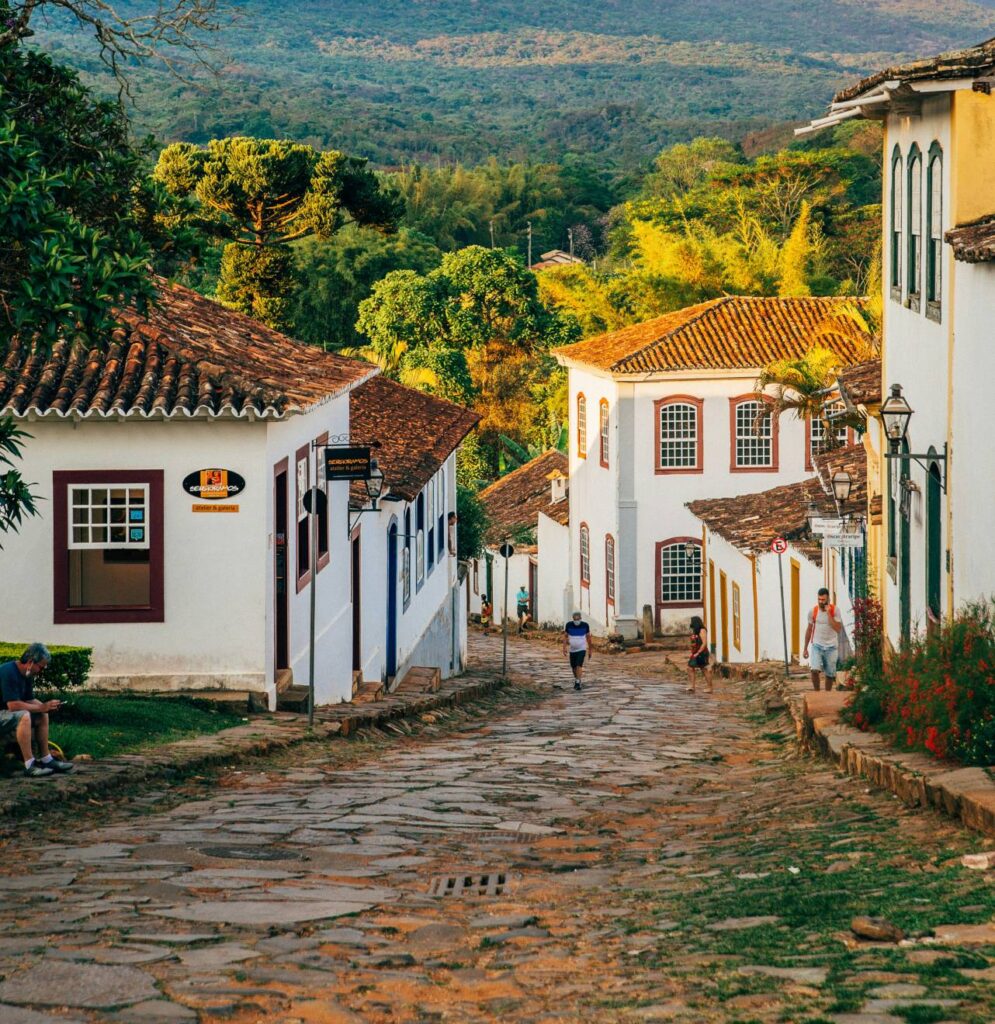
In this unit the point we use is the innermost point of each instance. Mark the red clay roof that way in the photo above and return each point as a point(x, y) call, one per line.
point(515, 501)
point(861, 382)
point(751, 521)
point(974, 242)
point(190, 356)
point(732, 333)
point(417, 432)
point(967, 63)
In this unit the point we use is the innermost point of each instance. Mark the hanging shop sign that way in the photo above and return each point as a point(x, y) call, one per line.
point(827, 527)
point(213, 484)
point(347, 463)
point(846, 540)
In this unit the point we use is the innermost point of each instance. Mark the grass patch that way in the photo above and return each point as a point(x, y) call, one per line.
point(103, 726)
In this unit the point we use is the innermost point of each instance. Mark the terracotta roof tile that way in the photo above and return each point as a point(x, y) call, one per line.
point(971, 62)
point(417, 432)
point(515, 501)
point(751, 521)
point(189, 356)
point(974, 242)
point(861, 382)
point(731, 333)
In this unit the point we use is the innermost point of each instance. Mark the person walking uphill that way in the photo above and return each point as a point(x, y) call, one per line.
point(577, 644)
point(824, 626)
point(18, 699)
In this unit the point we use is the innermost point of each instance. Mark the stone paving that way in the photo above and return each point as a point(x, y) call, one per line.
point(627, 853)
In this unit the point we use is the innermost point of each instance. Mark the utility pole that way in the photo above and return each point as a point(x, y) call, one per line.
point(313, 516)
point(506, 552)
point(570, 235)
point(529, 232)
point(492, 232)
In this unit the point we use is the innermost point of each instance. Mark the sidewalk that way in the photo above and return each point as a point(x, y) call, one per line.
point(965, 794)
point(262, 734)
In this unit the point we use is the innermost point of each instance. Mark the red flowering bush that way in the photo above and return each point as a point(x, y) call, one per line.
point(938, 693)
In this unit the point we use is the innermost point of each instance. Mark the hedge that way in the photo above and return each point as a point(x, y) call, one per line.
point(68, 668)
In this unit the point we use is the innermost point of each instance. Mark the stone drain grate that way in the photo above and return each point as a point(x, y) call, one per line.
point(491, 883)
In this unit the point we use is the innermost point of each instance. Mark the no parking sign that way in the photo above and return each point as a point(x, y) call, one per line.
point(779, 545)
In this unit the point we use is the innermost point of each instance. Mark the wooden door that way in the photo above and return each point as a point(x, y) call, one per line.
point(724, 602)
point(712, 625)
point(357, 603)
point(281, 593)
point(796, 609)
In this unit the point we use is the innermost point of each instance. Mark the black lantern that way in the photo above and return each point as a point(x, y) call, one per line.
point(690, 549)
point(812, 515)
point(374, 483)
point(896, 413)
point(842, 482)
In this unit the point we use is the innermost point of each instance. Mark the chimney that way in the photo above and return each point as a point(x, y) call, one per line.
point(559, 484)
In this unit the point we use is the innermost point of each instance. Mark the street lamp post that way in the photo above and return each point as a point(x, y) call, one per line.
point(895, 414)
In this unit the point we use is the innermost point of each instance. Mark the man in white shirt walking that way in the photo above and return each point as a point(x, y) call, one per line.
point(824, 625)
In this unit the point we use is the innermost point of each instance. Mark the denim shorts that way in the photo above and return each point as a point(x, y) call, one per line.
point(823, 659)
point(9, 721)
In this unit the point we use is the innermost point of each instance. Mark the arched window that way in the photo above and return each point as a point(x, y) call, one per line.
point(817, 435)
point(610, 569)
point(679, 435)
point(420, 541)
point(603, 430)
point(915, 227)
point(406, 560)
point(896, 223)
point(585, 555)
point(582, 426)
point(754, 436)
point(934, 217)
point(679, 572)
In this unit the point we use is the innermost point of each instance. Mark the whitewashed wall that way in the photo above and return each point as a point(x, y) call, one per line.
point(556, 596)
point(217, 574)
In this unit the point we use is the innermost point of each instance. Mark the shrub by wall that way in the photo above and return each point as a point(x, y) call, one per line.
point(938, 693)
point(68, 669)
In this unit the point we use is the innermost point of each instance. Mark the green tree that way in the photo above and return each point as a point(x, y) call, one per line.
point(472, 525)
point(260, 195)
point(16, 500)
point(74, 229)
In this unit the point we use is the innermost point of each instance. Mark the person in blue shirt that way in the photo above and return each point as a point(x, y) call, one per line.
point(522, 601)
point(577, 644)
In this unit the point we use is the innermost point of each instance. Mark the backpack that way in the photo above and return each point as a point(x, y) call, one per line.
point(831, 608)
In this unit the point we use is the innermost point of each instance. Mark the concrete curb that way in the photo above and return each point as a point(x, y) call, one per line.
point(965, 794)
point(264, 735)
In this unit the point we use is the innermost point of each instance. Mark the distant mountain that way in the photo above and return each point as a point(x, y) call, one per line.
point(615, 80)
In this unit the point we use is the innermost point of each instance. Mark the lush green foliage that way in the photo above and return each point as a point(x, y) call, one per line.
point(16, 500)
point(105, 725)
point(68, 669)
point(262, 194)
point(73, 205)
point(938, 693)
point(472, 519)
point(418, 82)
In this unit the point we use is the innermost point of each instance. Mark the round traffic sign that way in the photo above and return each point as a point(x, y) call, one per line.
point(779, 545)
point(506, 550)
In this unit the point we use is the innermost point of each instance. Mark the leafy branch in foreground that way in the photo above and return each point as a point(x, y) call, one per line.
point(16, 499)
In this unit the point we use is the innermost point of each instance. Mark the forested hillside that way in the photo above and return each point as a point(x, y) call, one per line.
point(401, 81)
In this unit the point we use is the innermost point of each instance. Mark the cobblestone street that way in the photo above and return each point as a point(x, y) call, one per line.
point(628, 853)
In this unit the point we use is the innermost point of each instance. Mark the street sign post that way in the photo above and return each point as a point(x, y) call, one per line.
point(779, 545)
point(827, 527)
point(506, 552)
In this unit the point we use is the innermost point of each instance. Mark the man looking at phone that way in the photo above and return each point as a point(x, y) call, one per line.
point(17, 694)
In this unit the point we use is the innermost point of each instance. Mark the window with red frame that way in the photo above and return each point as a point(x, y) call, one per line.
point(680, 436)
point(754, 441)
point(610, 568)
point(585, 556)
point(603, 429)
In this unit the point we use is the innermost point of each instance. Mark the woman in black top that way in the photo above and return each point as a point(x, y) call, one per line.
point(699, 659)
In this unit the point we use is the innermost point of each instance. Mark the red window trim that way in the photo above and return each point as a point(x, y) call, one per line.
point(809, 465)
point(775, 431)
point(603, 434)
point(659, 576)
point(581, 445)
point(585, 583)
point(63, 614)
point(303, 452)
point(699, 404)
point(609, 597)
point(324, 559)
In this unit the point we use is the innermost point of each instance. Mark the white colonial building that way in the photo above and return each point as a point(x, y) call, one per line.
point(173, 539)
point(664, 413)
point(531, 508)
point(937, 546)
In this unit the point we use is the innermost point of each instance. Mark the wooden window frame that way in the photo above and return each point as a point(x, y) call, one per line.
point(660, 603)
point(585, 533)
point(62, 612)
point(809, 460)
point(581, 425)
point(934, 261)
point(913, 171)
point(896, 234)
point(658, 407)
point(775, 431)
point(737, 616)
point(604, 431)
point(610, 570)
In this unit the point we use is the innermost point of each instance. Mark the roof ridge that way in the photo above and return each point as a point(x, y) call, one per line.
point(705, 308)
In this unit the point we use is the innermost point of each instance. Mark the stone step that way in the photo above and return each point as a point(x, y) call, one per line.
point(294, 698)
point(284, 679)
point(368, 693)
point(357, 680)
point(420, 679)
